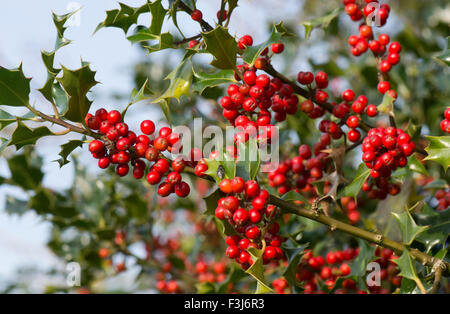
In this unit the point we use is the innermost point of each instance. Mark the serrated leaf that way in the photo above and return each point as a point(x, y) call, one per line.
point(439, 227)
point(162, 41)
point(54, 93)
point(256, 270)
point(294, 255)
point(387, 105)
point(253, 52)
point(249, 160)
point(60, 21)
point(408, 226)
point(77, 84)
point(222, 46)
point(123, 18)
point(67, 149)
point(14, 87)
point(366, 255)
point(23, 135)
point(6, 118)
point(321, 22)
point(24, 173)
point(180, 81)
point(353, 188)
point(406, 265)
point(445, 56)
point(207, 80)
point(137, 96)
point(438, 150)
point(415, 165)
point(295, 196)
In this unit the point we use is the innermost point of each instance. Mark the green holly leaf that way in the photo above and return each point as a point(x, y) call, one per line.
point(321, 22)
point(180, 81)
point(3, 144)
point(222, 46)
point(23, 135)
point(77, 84)
point(366, 255)
point(61, 41)
point(138, 95)
point(162, 41)
point(14, 87)
point(415, 165)
point(202, 81)
point(124, 17)
point(249, 160)
point(253, 52)
point(438, 150)
point(25, 172)
point(439, 227)
point(294, 255)
point(353, 188)
point(406, 265)
point(387, 105)
point(54, 93)
point(445, 56)
point(6, 118)
point(295, 196)
point(67, 149)
point(257, 271)
point(408, 226)
point(48, 58)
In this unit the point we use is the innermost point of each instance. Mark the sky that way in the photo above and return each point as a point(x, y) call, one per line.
point(26, 28)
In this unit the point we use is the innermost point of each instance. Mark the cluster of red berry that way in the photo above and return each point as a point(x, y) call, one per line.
point(388, 272)
point(386, 57)
point(246, 208)
point(329, 269)
point(445, 124)
point(443, 198)
point(120, 146)
point(385, 150)
point(351, 208)
point(340, 111)
point(301, 171)
point(281, 286)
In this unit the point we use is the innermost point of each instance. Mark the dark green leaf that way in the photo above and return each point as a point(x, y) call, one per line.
point(438, 150)
point(222, 46)
point(77, 84)
point(206, 80)
point(67, 149)
point(253, 52)
point(124, 17)
point(408, 226)
point(14, 87)
point(23, 135)
point(353, 188)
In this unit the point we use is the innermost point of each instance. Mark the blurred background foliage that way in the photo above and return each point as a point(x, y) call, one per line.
point(149, 239)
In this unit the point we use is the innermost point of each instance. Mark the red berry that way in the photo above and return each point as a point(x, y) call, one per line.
point(354, 135)
point(277, 47)
point(384, 86)
point(371, 110)
point(114, 117)
point(182, 189)
point(147, 127)
point(197, 15)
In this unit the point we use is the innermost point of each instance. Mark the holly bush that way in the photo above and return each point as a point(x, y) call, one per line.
point(352, 198)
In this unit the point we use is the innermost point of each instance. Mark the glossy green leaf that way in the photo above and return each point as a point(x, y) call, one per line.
point(124, 17)
point(387, 105)
point(439, 227)
point(61, 41)
point(321, 22)
point(408, 226)
point(438, 150)
point(23, 135)
point(14, 87)
point(161, 41)
point(249, 160)
point(257, 271)
point(6, 118)
point(207, 80)
point(253, 52)
point(77, 84)
point(294, 255)
point(180, 81)
point(24, 173)
point(222, 46)
point(295, 196)
point(355, 186)
point(406, 265)
point(415, 165)
point(67, 149)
